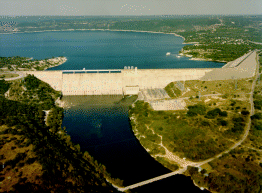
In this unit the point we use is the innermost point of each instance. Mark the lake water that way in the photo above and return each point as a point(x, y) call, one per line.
point(100, 123)
point(101, 49)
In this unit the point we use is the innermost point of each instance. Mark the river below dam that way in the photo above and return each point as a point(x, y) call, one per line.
point(100, 125)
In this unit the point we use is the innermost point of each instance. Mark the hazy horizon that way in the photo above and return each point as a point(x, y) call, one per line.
point(129, 8)
point(130, 15)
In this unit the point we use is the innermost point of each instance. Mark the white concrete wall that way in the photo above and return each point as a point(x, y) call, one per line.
point(92, 84)
point(159, 78)
point(126, 82)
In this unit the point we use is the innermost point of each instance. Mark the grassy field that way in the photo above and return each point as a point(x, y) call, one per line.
point(227, 88)
point(241, 169)
point(8, 75)
point(211, 123)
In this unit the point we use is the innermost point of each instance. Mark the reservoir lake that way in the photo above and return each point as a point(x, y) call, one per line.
point(100, 124)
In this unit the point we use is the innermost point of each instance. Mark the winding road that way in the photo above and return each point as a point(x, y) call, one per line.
point(184, 163)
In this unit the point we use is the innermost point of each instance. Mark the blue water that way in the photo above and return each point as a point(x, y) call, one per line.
point(101, 49)
point(99, 124)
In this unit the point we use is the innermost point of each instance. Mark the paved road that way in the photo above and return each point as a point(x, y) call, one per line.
point(252, 110)
point(20, 73)
point(153, 180)
point(246, 69)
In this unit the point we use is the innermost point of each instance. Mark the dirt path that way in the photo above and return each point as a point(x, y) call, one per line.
point(184, 163)
point(168, 154)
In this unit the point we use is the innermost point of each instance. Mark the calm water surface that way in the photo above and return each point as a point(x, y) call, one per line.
point(101, 49)
point(100, 125)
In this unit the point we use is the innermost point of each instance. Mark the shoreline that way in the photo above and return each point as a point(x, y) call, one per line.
point(137, 31)
point(98, 30)
point(20, 71)
point(62, 60)
point(117, 30)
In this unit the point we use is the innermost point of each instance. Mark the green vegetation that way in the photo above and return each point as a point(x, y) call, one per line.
point(238, 171)
point(198, 133)
point(4, 86)
point(172, 90)
point(32, 90)
point(8, 61)
point(238, 88)
point(195, 110)
point(21, 63)
point(39, 156)
point(255, 136)
point(167, 164)
point(211, 123)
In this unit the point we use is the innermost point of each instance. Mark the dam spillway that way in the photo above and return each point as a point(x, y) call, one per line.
point(114, 82)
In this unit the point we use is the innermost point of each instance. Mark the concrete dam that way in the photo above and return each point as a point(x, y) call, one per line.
point(114, 82)
point(130, 81)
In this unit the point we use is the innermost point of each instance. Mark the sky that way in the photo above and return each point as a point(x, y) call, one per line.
point(129, 7)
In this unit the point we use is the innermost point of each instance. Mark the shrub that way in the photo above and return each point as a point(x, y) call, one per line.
point(191, 114)
point(257, 116)
point(31, 82)
point(4, 86)
point(192, 170)
point(244, 112)
point(233, 103)
point(225, 96)
point(223, 114)
point(258, 104)
point(196, 109)
point(213, 113)
point(205, 123)
point(258, 125)
point(203, 171)
point(222, 122)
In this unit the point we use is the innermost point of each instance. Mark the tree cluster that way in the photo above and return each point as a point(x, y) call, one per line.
point(65, 167)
